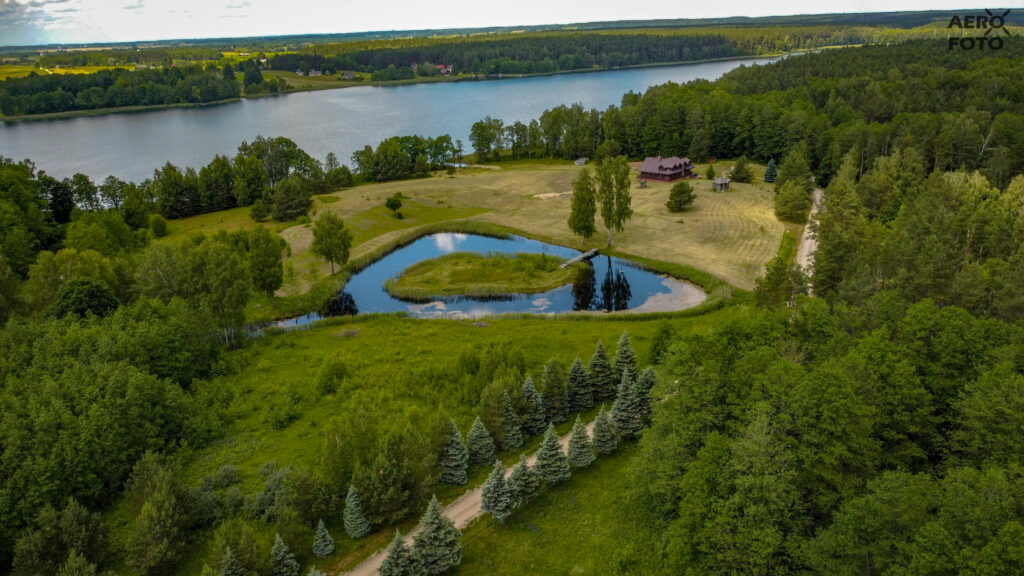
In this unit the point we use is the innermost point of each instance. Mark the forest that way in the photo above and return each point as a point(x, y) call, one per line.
point(119, 87)
point(863, 419)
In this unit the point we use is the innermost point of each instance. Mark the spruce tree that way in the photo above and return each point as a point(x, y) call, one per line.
point(606, 440)
point(602, 375)
point(552, 464)
point(480, 445)
point(644, 384)
point(625, 358)
point(229, 565)
point(437, 544)
point(401, 560)
point(356, 524)
point(741, 172)
point(626, 409)
point(581, 392)
point(553, 391)
point(512, 436)
point(323, 544)
point(771, 171)
point(282, 561)
point(77, 565)
point(710, 172)
point(454, 459)
point(523, 481)
point(535, 420)
point(498, 501)
point(581, 451)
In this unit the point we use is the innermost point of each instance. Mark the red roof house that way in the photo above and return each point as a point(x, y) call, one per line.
point(666, 169)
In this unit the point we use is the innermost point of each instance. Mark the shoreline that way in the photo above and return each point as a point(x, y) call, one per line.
point(380, 84)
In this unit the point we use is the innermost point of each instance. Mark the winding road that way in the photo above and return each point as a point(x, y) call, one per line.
point(462, 511)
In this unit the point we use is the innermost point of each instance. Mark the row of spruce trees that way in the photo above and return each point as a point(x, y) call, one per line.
point(436, 547)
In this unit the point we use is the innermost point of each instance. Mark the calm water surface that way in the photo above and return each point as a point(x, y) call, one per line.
point(132, 145)
point(609, 284)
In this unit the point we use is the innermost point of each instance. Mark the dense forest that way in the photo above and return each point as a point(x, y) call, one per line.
point(547, 52)
point(953, 109)
point(118, 87)
point(873, 427)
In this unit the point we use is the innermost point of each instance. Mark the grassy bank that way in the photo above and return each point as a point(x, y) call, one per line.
point(480, 275)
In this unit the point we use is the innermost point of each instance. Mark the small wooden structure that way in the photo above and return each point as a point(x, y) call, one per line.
point(584, 256)
point(666, 169)
point(721, 184)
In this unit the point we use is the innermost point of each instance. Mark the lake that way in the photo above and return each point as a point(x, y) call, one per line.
point(607, 284)
point(131, 145)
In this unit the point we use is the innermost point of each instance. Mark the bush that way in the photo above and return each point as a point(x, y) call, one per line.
point(680, 197)
point(741, 172)
point(330, 376)
point(792, 202)
point(260, 211)
point(158, 225)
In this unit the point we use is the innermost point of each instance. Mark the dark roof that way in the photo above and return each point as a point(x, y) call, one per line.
point(659, 164)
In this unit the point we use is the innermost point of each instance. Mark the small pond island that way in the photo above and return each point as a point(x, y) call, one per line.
point(476, 275)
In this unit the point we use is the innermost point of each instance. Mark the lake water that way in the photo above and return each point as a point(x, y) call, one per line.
point(608, 284)
point(132, 145)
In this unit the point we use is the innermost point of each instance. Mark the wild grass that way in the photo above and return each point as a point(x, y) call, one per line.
point(583, 526)
point(480, 275)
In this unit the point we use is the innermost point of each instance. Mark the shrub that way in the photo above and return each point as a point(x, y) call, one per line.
point(680, 197)
point(158, 225)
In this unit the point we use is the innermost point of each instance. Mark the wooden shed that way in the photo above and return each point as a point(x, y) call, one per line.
point(721, 184)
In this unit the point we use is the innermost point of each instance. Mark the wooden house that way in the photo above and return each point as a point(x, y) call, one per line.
point(666, 169)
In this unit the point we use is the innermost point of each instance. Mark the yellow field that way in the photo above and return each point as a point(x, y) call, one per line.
point(22, 70)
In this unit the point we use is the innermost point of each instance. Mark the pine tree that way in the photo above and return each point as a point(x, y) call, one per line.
point(625, 358)
point(741, 172)
point(771, 171)
point(606, 440)
point(77, 565)
point(581, 451)
point(602, 375)
point(626, 409)
point(512, 436)
point(497, 499)
point(356, 524)
point(535, 420)
point(323, 544)
point(438, 543)
point(229, 565)
point(552, 464)
point(644, 384)
point(454, 459)
point(581, 391)
point(282, 561)
point(523, 481)
point(401, 560)
point(553, 391)
point(481, 447)
point(710, 173)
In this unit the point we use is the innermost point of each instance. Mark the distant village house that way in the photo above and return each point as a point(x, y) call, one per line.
point(666, 169)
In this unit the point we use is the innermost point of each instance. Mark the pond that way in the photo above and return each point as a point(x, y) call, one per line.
point(607, 284)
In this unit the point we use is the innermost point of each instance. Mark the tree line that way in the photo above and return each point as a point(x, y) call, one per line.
point(566, 50)
point(158, 86)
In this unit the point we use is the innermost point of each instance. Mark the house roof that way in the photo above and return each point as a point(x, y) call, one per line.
point(670, 164)
point(722, 180)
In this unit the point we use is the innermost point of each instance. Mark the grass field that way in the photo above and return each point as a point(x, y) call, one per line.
point(395, 366)
point(22, 70)
point(472, 274)
point(582, 526)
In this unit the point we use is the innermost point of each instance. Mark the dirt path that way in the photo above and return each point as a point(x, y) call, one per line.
point(808, 240)
point(462, 511)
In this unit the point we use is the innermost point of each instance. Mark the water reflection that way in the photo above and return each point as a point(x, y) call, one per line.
point(342, 305)
point(584, 288)
point(615, 292)
point(448, 243)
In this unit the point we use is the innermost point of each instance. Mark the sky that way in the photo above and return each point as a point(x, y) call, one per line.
point(28, 22)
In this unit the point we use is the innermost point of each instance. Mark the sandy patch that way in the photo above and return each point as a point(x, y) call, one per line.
point(551, 195)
